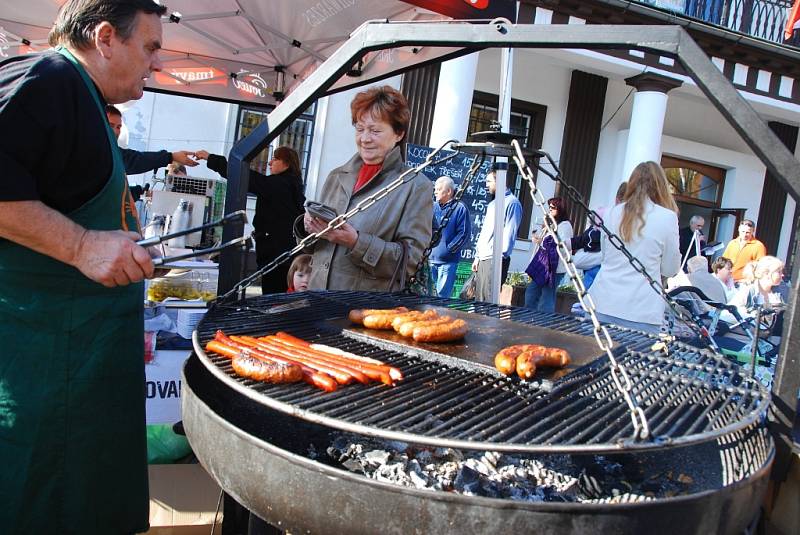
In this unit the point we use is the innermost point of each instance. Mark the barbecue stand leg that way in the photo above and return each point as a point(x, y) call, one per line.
point(237, 520)
point(256, 526)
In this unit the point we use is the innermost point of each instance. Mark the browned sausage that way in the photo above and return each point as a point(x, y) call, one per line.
point(505, 363)
point(407, 329)
point(266, 372)
point(526, 365)
point(357, 315)
point(381, 321)
point(414, 315)
point(443, 332)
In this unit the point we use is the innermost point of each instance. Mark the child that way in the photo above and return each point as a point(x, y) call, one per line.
point(299, 274)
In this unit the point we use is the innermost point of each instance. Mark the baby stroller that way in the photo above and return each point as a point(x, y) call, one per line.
point(729, 332)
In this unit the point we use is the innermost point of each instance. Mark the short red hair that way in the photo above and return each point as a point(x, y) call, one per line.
point(385, 103)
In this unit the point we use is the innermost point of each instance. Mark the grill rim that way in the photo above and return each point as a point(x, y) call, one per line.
point(620, 445)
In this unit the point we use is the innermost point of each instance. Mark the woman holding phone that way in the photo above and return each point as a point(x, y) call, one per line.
point(377, 249)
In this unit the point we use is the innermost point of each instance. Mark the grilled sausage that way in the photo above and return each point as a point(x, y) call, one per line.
point(526, 365)
point(525, 358)
point(266, 372)
point(223, 345)
point(505, 363)
point(443, 332)
point(414, 315)
point(407, 329)
point(357, 315)
point(381, 321)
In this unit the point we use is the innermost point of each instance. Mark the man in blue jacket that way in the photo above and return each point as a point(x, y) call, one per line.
point(445, 256)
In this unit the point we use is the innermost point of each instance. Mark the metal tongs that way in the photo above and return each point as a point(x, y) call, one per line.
point(239, 215)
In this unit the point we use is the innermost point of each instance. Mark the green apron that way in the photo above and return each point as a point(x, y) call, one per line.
point(73, 455)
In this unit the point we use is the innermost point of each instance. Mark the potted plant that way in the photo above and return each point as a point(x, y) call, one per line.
point(513, 290)
point(566, 296)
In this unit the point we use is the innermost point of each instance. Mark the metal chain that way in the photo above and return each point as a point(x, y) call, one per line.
point(622, 381)
point(340, 220)
point(415, 280)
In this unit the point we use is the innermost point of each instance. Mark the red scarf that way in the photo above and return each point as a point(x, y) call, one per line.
point(365, 174)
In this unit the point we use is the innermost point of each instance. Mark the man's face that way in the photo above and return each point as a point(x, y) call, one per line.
point(131, 61)
point(442, 193)
point(698, 225)
point(115, 122)
point(491, 184)
point(745, 232)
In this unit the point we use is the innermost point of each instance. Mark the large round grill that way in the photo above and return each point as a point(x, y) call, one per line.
point(688, 395)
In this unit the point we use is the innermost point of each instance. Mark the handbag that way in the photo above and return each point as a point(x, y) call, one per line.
point(467, 292)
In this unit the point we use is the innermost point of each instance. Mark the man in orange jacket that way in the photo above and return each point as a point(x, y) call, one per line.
point(744, 249)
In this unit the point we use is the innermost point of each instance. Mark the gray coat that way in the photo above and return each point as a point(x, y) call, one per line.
point(403, 215)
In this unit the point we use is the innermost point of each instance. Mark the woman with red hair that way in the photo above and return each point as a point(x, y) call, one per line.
point(379, 247)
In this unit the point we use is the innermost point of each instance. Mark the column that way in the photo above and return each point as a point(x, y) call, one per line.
point(647, 119)
point(454, 99)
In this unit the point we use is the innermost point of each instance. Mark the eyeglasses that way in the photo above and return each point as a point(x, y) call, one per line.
point(553, 207)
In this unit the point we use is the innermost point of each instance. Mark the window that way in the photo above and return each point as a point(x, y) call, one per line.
point(694, 183)
point(527, 120)
point(297, 135)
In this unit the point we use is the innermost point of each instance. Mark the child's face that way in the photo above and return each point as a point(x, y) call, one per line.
point(300, 280)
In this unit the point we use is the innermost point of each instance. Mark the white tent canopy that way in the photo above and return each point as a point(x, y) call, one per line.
point(252, 50)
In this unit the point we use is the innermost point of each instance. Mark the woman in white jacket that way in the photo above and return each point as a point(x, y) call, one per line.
point(647, 222)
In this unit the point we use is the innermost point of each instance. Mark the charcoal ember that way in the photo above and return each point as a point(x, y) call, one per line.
point(393, 473)
point(424, 457)
point(478, 466)
point(354, 465)
point(468, 481)
point(448, 454)
point(417, 476)
point(376, 457)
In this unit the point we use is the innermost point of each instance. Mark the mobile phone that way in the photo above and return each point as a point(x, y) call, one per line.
point(321, 211)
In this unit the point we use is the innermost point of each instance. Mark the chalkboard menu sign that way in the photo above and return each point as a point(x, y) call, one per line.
point(476, 198)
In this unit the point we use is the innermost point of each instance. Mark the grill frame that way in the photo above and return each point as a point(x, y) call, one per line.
point(304, 402)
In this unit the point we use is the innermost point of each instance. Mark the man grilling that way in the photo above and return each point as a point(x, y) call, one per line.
point(72, 426)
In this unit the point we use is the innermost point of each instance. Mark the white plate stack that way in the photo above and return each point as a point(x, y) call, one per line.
point(188, 318)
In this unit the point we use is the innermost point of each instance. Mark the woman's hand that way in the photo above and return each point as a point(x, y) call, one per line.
point(346, 235)
point(201, 154)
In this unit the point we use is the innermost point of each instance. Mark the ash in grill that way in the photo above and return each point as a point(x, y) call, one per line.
point(543, 478)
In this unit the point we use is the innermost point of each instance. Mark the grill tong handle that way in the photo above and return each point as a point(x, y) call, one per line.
point(233, 216)
point(199, 252)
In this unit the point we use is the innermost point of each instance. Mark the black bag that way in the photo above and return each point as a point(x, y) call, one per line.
point(467, 292)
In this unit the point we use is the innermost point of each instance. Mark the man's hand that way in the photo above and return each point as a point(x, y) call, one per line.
point(346, 235)
point(112, 258)
point(475, 264)
point(184, 157)
point(201, 154)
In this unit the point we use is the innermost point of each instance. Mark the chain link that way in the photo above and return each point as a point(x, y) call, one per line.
point(622, 381)
point(340, 220)
point(415, 282)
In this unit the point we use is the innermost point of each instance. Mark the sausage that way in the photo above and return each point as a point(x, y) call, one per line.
point(342, 377)
point(374, 369)
point(414, 315)
point(356, 368)
point(227, 347)
point(357, 315)
point(381, 321)
point(443, 332)
point(525, 358)
point(526, 365)
point(505, 363)
point(407, 329)
point(266, 372)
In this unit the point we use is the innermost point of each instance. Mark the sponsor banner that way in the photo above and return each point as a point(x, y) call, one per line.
point(470, 9)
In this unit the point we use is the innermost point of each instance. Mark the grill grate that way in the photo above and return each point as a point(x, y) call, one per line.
point(689, 395)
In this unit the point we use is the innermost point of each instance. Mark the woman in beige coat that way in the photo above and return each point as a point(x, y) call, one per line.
point(366, 252)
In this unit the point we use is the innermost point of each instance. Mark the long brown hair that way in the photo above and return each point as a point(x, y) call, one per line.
point(647, 182)
point(288, 156)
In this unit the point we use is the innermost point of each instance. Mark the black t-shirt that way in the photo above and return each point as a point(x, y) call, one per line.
point(54, 147)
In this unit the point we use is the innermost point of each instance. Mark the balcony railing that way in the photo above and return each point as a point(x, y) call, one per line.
point(765, 19)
